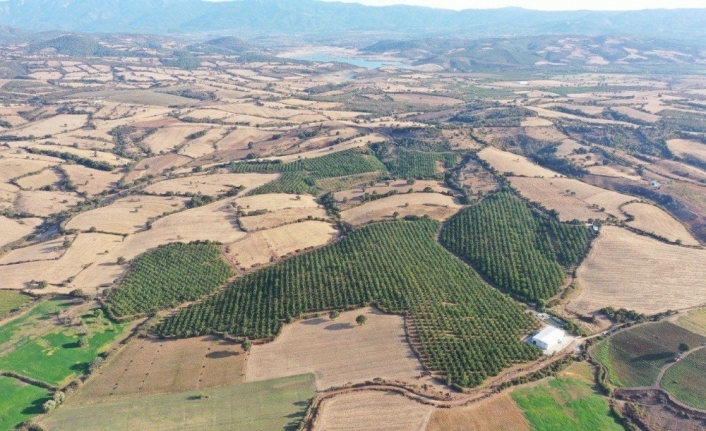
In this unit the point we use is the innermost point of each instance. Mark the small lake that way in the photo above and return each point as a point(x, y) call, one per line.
point(358, 62)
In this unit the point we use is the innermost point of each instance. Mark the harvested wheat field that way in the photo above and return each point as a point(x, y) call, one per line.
point(13, 168)
point(53, 249)
point(399, 186)
point(686, 148)
point(47, 177)
point(281, 217)
point(211, 185)
point(536, 122)
point(169, 137)
point(91, 181)
point(126, 215)
point(639, 273)
point(204, 145)
point(265, 246)
point(504, 161)
point(275, 202)
point(497, 413)
point(338, 351)
point(435, 205)
point(213, 222)
point(569, 207)
point(43, 204)
point(373, 411)
point(150, 366)
point(53, 125)
point(614, 171)
point(638, 115)
point(12, 230)
point(86, 249)
point(651, 219)
point(156, 165)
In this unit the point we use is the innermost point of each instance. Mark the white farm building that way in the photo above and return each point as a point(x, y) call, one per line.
point(548, 337)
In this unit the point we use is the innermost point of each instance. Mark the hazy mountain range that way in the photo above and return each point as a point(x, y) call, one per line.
point(305, 17)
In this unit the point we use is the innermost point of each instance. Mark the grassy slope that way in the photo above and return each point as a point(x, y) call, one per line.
point(635, 357)
point(565, 405)
point(686, 380)
point(694, 321)
point(262, 406)
point(15, 332)
point(10, 300)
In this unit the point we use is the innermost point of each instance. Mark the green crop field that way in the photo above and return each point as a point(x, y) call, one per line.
point(694, 321)
point(262, 406)
point(35, 321)
point(565, 404)
point(289, 182)
point(11, 300)
point(686, 379)
point(635, 357)
point(517, 249)
point(57, 356)
point(418, 164)
point(19, 402)
point(169, 276)
point(467, 329)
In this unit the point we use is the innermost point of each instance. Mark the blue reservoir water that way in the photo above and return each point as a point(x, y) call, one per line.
point(358, 62)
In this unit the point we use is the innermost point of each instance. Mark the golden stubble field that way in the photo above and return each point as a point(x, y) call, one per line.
point(338, 351)
point(639, 273)
point(149, 366)
point(435, 205)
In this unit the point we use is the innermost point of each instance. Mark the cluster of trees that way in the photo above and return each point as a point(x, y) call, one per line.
point(467, 329)
point(85, 161)
point(520, 251)
point(167, 277)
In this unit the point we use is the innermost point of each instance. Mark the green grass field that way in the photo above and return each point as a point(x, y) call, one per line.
point(565, 405)
point(686, 380)
point(262, 406)
point(11, 300)
point(636, 356)
point(19, 402)
point(31, 323)
point(56, 356)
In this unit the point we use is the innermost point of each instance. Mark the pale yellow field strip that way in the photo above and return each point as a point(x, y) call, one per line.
point(655, 220)
point(435, 205)
point(504, 161)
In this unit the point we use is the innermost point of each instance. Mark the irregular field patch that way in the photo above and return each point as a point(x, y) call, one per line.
point(652, 219)
point(11, 300)
point(694, 321)
point(497, 413)
point(263, 406)
point(435, 205)
point(686, 148)
point(19, 402)
point(338, 351)
point(266, 246)
point(626, 270)
point(211, 185)
point(149, 366)
point(12, 230)
point(565, 405)
point(373, 411)
point(686, 380)
point(126, 215)
point(634, 357)
point(503, 161)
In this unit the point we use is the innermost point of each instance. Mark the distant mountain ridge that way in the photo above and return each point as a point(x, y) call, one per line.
point(302, 17)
